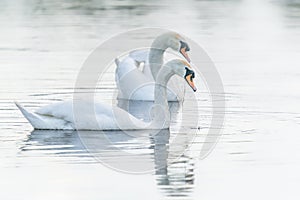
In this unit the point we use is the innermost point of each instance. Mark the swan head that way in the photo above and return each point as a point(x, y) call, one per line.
point(176, 42)
point(184, 70)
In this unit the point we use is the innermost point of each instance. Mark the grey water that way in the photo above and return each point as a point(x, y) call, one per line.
point(255, 47)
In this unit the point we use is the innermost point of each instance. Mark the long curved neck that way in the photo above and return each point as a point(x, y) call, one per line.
point(156, 54)
point(161, 110)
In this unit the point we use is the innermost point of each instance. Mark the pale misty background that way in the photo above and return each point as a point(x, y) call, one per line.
point(255, 47)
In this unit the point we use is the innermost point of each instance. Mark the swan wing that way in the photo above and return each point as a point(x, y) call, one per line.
point(130, 79)
point(98, 117)
point(140, 55)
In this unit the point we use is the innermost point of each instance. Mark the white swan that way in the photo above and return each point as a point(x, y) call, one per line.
point(136, 84)
point(106, 117)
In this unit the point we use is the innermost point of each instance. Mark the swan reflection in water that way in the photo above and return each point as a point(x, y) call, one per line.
point(120, 150)
point(156, 151)
point(142, 109)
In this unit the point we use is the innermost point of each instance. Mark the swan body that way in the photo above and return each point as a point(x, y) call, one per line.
point(136, 84)
point(61, 116)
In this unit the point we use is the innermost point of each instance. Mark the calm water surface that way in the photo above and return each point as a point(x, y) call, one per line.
point(255, 46)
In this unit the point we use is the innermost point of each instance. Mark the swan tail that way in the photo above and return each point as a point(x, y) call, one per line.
point(44, 122)
point(32, 118)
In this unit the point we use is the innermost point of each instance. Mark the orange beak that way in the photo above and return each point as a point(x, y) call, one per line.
point(184, 53)
point(189, 80)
